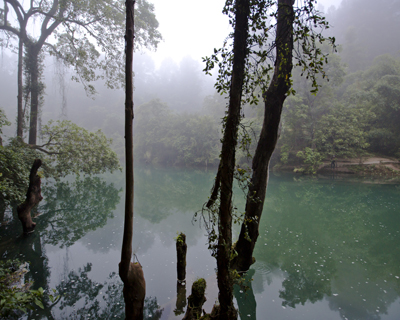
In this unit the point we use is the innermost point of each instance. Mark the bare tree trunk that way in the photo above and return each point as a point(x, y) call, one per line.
point(273, 102)
point(33, 197)
point(227, 163)
point(33, 57)
point(131, 273)
point(20, 116)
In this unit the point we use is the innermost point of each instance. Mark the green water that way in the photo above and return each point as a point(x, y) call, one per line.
point(328, 249)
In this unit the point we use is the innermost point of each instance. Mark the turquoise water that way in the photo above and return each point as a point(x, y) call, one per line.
point(328, 248)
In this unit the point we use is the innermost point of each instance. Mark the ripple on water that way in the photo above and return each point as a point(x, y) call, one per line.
point(262, 268)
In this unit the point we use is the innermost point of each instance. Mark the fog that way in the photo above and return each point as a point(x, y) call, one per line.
point(173, 73)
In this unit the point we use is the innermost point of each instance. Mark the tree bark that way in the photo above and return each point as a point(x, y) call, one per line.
point(131, 273)
point(33, 58)
point(20, 116)
point(273, 103)
point(227, 163)
point(33, 197)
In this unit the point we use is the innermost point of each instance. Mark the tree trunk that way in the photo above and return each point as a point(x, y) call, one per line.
point(181, 249)
point(33, 58)
point(33, 197)
point(227, 164)
point(20, 116)
point(131, 273)
point(273, 103)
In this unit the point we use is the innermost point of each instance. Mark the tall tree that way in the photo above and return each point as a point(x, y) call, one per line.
point(262, 57)
point(86, 35)
point(131, 273)
point(227, 162)
point(291, 23)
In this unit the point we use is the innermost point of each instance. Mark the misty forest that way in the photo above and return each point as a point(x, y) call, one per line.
point(259, 181)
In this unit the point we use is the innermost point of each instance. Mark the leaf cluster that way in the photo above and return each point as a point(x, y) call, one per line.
point(74, 150)
point(68, 149)
point(260, 60)
point(13, 297)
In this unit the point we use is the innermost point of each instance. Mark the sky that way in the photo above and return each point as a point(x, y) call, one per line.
point(194, 28)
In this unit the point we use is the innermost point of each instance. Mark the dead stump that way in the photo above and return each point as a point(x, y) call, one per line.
point(134, 292)
point(33, 197)
point(196, 300)
point(181, 249)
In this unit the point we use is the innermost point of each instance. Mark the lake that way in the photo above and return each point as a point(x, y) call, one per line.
point(328, 248)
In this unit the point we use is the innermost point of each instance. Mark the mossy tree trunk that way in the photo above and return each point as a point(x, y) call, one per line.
point(273, 103)
point(196, 300)
point(131, 273)
point(227, 162)
point(181, 250)
point(33, 197)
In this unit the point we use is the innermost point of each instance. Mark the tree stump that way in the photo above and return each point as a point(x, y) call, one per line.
point(181, 249)
point(196, 300)
point(33, 197)
point(134, 292)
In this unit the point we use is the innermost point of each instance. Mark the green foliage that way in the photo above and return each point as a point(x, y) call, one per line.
point(180, 238)
point(308, 27)
point(72, 149)
point(312, 160)
point(88, 34)
point(342, 133)
point(3, 120)
point(376, 91)
point(161, 136)
point(69, 149)
point(16, 161)
point(14, 296)
point(354, 115)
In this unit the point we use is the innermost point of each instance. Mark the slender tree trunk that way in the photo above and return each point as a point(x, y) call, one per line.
point(227, 164)
point(33, 58)
point(131, 273)
point(273, 102)
point(20, 117)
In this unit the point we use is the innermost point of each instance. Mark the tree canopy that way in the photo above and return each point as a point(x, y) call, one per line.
point(84, 35)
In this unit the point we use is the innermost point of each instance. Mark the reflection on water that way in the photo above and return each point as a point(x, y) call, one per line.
point(327, 249)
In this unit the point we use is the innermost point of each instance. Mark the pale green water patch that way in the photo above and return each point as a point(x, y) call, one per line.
point(327, 249)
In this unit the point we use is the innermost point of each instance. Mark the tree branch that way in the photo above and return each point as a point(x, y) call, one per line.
point(33, 146)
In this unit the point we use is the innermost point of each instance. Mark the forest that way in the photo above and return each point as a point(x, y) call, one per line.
point(353, 114)
point(62, 93)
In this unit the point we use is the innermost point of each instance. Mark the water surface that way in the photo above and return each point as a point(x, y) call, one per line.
point(328, 249)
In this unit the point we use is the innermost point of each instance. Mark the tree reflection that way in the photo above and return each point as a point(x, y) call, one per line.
point(83, 298)
point(245, 298)
point(161, 192)
point(334, 241)
point(73, 209)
